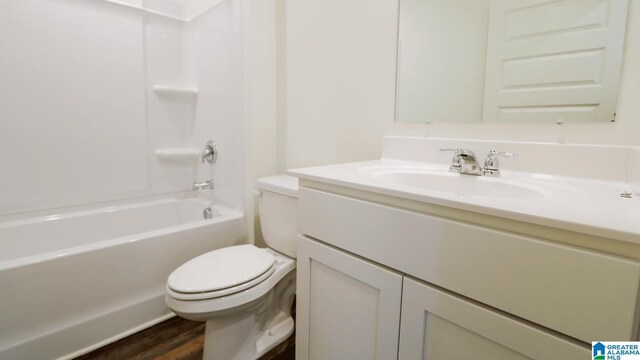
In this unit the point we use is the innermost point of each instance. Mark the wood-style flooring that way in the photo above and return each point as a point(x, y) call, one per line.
point(174, 339)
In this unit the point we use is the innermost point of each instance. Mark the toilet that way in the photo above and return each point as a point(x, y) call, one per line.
point(244, 293)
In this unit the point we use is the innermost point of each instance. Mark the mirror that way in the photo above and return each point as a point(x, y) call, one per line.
point(516, 61)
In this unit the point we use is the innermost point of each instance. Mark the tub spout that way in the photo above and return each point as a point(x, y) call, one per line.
point(203, 185)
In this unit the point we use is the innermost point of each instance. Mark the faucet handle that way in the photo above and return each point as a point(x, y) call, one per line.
point(455, 161)
point(210, 152)
point(491, 163)
point(493, 154)
point(461, 152)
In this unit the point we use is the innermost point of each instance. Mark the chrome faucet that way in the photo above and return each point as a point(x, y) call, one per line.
point(464, 162)
point(203, 185)
point(491, 164)
point(210, 152)
point(210, 212)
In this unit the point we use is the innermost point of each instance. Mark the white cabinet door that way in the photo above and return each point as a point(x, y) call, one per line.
point(437, 325)
point(347, 308)
point(551, 60)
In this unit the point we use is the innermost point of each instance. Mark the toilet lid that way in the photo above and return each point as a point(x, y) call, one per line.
point(221, 269)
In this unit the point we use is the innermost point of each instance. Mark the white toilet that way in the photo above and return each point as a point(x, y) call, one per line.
point(244, 293)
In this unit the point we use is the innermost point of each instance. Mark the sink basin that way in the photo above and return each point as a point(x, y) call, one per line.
point(440, 180)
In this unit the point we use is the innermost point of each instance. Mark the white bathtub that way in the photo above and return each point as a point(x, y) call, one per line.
point(72, 282)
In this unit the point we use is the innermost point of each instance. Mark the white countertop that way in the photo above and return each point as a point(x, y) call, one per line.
point(576, 204)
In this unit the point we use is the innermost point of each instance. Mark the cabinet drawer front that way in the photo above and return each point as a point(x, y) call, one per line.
point(584, 294)
point(437, 325)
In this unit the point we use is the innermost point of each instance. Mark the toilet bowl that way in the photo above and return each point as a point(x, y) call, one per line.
point(244, 293)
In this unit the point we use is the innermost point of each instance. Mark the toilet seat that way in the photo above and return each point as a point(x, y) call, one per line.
point(221, 272)
point(204, 310)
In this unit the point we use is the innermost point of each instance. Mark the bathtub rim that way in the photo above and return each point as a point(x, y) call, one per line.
point(226, 214)
point(120, 202)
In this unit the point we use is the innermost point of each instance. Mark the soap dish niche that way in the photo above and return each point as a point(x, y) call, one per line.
point(178, 155)
point(176, 92)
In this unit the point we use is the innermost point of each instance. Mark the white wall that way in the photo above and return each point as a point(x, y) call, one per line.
point(340, 58)
point(442, 64)
point(72, 93)
point(261, 98)
point(264, 66)
point(216, 47)
point(634, 173)
point(204, 53)
point(79, 121)
point(293, 65)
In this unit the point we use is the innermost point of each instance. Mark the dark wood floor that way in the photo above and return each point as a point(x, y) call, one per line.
point(174, 339)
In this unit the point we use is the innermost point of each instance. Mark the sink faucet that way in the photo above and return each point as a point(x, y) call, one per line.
point(464, 162)
point(203, 185)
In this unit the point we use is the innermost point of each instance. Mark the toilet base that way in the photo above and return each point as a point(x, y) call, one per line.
point(252, 332)
point(236, 339)
point(230, 338)
point(274, 336)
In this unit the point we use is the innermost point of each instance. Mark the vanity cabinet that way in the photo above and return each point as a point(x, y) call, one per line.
point(467, 287)
point(349, 308)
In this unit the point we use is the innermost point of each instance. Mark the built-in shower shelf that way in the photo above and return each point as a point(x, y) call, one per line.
point(176, 92)
point(178, 155)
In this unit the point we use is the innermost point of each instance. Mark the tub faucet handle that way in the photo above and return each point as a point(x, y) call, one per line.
point(203, 185)
point(210, 152)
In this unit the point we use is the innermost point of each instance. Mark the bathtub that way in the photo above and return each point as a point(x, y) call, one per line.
point(72, 282)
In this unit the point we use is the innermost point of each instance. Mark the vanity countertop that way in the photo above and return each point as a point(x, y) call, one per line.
point(580, 205)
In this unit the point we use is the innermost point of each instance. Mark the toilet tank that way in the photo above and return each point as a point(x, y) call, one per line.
point(278, 212)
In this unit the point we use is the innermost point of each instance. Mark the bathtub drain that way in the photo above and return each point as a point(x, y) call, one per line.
point(209, 213)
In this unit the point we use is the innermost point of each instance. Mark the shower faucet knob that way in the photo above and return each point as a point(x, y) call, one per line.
point(210, 152)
